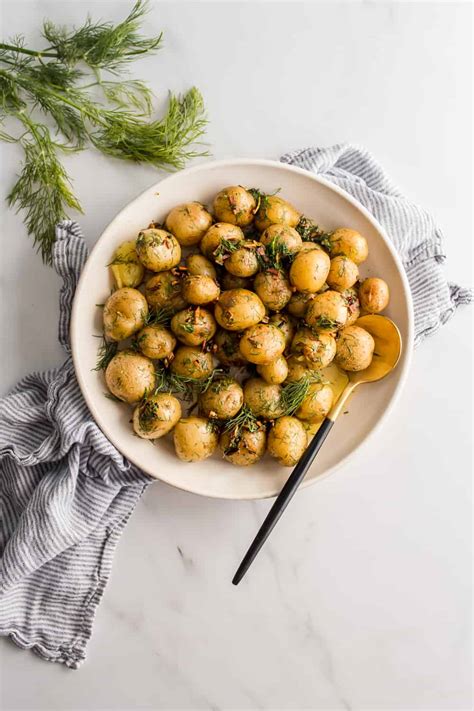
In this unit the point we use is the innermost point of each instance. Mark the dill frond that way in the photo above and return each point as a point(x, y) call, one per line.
point(106, 352)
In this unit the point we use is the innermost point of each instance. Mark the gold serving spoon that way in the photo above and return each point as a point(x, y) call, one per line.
point(387, 351)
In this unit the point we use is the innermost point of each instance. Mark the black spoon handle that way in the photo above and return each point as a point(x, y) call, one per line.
point(284, 498)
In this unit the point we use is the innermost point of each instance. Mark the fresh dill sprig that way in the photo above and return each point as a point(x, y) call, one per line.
point(293, 394)
point(78, 83)
point(167, 381)
point(275, 255)
point(261, 198)
point(105, 353)
point(310, 232)
point(159, 317)
point(326, 323)
point(225, 249)
point(243, 421)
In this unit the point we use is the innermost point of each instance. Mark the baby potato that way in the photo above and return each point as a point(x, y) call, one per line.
point(124, 313)
point(263, 399)
point(317, 403)
point(164, 291)
point(199, 289)
point(188, 223)
point(229, 281)
point(198, 265)
point(273, 288)
point(156, 342)
point(156, 416)
point(374, 295)
point(287, 441)
point(310, 428)
point(298, 303)
point(309, 270)
point(349, 243)
point(158, 250)
point(242, 262)
point(223, 398)
point(318, 350)
point(327, 311)
point(238, 309)
point(126, 268)
point(355, 348)
point(193, 326)
point(353, 305)
point(274, 210)
point(343, 273)
point(244, 448)
point(262, 343)
point(227, 351)
point(235, 205)
point(130, 376)
point(285, 324)
point(275, 372)
point(192, 362)
point(308, 246)
point(297, 368)
point(283, 238)
point(194, 439)
point(215, 234)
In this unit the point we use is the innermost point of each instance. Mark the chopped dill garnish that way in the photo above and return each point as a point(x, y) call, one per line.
point(261, 198)
point(274, 255)
point(225, 248)
point(326, 323)
point(309, 231)
point(106, 352)
point(243, 421)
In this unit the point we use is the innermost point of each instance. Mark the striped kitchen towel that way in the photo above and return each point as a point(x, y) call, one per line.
point(65, 491)
point(413, 231)
point(65, 494)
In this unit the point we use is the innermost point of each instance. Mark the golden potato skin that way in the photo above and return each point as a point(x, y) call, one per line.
point(238, 309)
point(227, 348)
point(193, 326)
point(158, 250)
point(223, 398)
point(192, 362)
point(308, 246)
point(327, 311)
point(274, 210)
point(230, 281)
point(263, 398)
point(164, 291)
point(194, 439)
point(343, 273)
point(235, 205)
point(262, 343)
point(317, 403)
point(156, 342)
point(156, 416)
point(124, 313)
point(298, 303)
point(275, 372)
point(297, 368)
point(126, 268)
point(318, 349)
point(286, 325)
point(273, 288)
point(246, 449)
point(282, 237)
point(353, 305)
point(198, 265)
point(349, 243)
point(374, 295)
point(199, 289)
point(215, 234)
point(309, 270)
point(287, 441)
point(242, 262)
point(188, 223)
point(355, 348)
point(130, 376)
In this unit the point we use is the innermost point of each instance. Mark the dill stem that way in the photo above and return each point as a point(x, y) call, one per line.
point(30, 52)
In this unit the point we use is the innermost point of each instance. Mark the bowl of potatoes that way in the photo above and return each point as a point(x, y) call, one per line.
point(216, 321)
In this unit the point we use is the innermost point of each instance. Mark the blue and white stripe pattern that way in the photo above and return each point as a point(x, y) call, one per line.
point(65, 491)
point(412, 230)
point(66, 494)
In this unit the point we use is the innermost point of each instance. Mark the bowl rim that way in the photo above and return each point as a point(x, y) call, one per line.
point(407, 345)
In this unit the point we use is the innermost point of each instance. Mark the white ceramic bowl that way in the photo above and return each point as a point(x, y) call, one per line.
point(316, 198)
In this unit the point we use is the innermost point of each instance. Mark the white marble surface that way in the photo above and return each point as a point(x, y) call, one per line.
point(361, 600)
